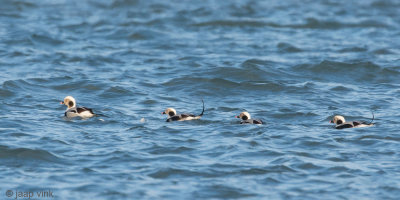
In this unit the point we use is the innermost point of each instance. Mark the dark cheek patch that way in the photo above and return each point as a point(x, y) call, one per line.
point(339, 122)
point(71, 104)
point(245, 117)
point(171, 113)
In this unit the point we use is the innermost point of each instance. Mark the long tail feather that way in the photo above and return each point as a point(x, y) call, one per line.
point(202, 112)
point(373, 117)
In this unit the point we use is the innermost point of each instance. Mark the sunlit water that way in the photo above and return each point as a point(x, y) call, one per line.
point(294, 64)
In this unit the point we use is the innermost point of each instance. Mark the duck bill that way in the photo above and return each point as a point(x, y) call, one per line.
point(163, 113)
point(236, 116)
point(62, 102)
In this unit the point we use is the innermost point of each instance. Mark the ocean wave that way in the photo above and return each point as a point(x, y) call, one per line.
point(215, 84)
point(44, 38)
point(353, 49)
point(382, 52)
point(159, 150)
point(340, 67)
point(251, 70)
point(310, 23)
point(137, 35)
point(5, 93)
point(341, 88)
point(288, 48)
point(16, 86)
point(359, 71)
point(385, 4)
point(26, 154)
point(234, 23)
point(313, 23)
point(169, 172)
point(222, 191)
point(123, 3)
point(293, 114)
point(184, 81)
point(20, 4)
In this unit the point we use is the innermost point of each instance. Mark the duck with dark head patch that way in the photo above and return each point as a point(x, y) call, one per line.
point(173, 116)
point(246, 119)
point(341, 123)
point(74, 111)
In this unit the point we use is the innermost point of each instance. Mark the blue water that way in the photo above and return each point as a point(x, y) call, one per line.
point(293, 64)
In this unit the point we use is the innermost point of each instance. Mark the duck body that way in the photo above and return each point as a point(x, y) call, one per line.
point(81, 112)
point(251, 121)
point(246, 119)
point(74, 111)
point(183, 117)
point(353, 124)
point(173, 116)
point(342, 124)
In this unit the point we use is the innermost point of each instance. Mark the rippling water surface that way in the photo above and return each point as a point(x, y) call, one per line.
point(294, 64)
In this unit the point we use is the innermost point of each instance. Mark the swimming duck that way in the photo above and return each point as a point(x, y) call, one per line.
point(246, 119)
point(173, 116)
point(341, 123)
point(73, 111)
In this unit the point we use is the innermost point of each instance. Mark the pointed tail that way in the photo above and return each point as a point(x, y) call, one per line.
point(202, 112)
point(373, 117)
point(99, 115)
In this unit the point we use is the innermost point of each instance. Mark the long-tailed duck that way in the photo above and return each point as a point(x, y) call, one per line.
point(341, 123)
point(246, 119)
point(73, 111)
point(172, 116)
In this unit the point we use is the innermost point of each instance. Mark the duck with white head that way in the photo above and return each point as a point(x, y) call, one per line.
point(74, 111)
point(246, 119)
point(340, 122)
point(173, 116)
